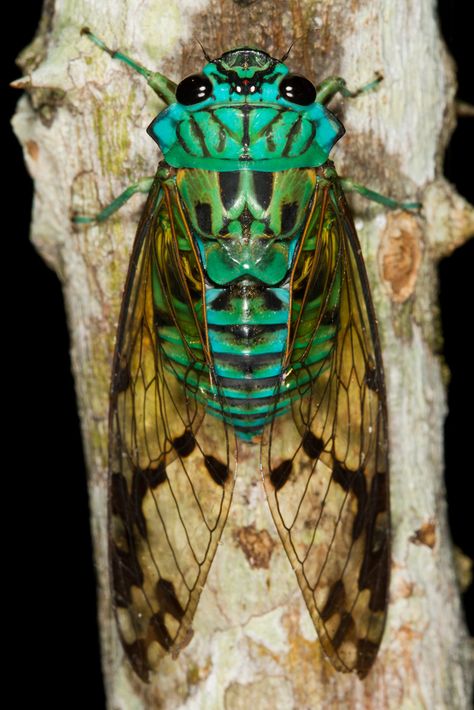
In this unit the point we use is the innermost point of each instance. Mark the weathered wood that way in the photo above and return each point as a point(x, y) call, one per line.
point(83, 133)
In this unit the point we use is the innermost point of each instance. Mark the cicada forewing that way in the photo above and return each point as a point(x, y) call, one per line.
point(171, 465)
point(325, 463)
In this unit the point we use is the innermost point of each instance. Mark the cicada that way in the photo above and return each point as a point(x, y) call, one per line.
point(247, 321)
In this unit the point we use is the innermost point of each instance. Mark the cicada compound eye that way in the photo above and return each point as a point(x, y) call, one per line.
point(297, 89)
point(193, 89)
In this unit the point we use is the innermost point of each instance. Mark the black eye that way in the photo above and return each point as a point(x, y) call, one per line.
point(297, 89)
point(193, 89)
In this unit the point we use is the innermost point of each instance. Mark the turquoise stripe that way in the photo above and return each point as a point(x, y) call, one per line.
point(179, 356)
point(247, 312)
point(234, 318)
point(225, 369)
point(248, 394)
point(226, 342)
point(250, 423)
point(316, 355)
point(324, 334)
point(170, 334)
point(270, 407)
point(247, 436)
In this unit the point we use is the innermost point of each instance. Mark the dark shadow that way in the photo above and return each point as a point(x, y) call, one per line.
point(457, 303)
point(52, 585)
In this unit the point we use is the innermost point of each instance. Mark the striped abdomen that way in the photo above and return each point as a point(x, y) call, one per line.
point(248, 334)
point(248, 330)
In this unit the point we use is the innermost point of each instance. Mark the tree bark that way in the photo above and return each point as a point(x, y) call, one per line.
point(82, 128)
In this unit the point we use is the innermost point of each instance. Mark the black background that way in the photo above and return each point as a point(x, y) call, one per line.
point(52, 592)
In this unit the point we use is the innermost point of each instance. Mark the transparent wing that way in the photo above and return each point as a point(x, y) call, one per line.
point(171, 470)
point(326, 465)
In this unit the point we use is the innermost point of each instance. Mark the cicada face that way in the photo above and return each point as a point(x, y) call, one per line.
point(246, 110)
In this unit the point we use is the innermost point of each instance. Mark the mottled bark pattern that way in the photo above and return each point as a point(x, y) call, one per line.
point(82, 126)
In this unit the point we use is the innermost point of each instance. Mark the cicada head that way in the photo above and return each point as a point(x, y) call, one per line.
point(246, 110)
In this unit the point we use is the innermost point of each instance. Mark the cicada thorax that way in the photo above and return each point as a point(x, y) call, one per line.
point(244, 305)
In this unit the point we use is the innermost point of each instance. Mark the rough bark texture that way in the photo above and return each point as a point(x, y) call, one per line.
point(82, 127)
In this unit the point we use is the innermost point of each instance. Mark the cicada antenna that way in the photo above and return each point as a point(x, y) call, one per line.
point(209, 59)
point(287, 53)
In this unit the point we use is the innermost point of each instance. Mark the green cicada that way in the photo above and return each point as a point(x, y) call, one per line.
point(247, 321)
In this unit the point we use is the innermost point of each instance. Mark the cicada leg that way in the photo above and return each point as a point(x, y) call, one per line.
point(349, 185)
point(327, 89)
point(161, 85)
point(143, 185)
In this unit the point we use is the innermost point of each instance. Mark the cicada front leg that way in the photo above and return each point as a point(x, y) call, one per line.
point(143, 185)
point(327, 89)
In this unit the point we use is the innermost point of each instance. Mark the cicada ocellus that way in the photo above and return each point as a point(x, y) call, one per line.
point(247, 321)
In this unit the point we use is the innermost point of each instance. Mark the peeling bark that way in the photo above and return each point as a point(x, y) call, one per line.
point(82, 128)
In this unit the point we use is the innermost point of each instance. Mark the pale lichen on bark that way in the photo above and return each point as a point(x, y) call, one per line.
point(83, 133)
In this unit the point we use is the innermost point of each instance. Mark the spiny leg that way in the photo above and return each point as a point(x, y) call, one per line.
point(143, 185)
point(327, 89)
point(349, 185)
point(161, 85)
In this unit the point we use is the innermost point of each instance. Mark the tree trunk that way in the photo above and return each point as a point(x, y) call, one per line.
point(82, 125)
